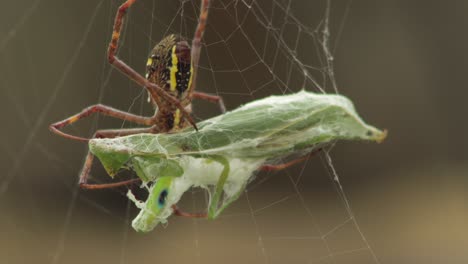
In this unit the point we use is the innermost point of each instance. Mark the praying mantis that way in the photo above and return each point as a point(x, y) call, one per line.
point(226, 151)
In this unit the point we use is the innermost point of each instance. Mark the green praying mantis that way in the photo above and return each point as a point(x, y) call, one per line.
point(224, 154)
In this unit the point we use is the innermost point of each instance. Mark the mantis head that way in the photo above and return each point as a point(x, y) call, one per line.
point(165, 193)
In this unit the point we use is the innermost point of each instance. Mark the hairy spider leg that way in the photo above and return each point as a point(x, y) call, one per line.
point(196, 42)
point(103, 109)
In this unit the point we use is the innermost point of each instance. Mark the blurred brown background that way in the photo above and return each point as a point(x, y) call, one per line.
point(403, 63)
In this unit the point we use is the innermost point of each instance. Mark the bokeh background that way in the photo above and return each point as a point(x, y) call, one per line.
point(403, 63)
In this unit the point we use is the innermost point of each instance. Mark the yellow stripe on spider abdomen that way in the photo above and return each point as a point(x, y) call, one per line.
point(189, 86)
point(173, 69)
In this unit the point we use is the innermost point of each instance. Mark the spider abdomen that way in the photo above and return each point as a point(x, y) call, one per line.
point(169, 66)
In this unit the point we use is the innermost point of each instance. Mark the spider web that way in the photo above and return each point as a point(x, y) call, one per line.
point(251, 49)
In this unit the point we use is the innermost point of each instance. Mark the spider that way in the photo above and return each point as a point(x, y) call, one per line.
point(171, 72)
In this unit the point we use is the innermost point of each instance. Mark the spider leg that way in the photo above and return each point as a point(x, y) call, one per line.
point(196, 42)
point(109, 133)
point(152, 88)
point(278, 167)
point(211, 98)
point(179, 212)
point(105, 110)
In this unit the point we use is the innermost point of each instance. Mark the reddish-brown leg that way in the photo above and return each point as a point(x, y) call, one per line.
point(152, 88)
point(111, 133)
point(178, 212)
point(211, 98)
point(277, 167)
point(196, 41)
point(105, 110)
